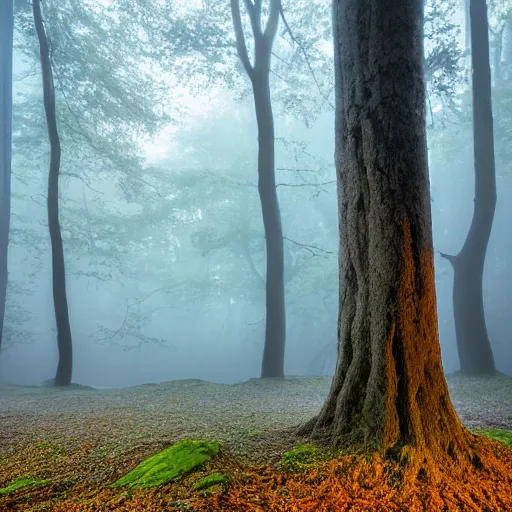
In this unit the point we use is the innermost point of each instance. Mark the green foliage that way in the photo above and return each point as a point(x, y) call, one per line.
point(300, 457)
point(21, 484)
point(105, 101)
point(450, 144)
point(170, 464)
point(443, 59)
point(211, 480)
point(504, 436)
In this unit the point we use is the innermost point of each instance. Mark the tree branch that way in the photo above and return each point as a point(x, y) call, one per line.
point(310, 248)
point(254, 12)
point(452, 259)
point(291, 169)
point(241, 47)
point(305, 184)
point(273, 20)
point(78, 177)
point(303, 50)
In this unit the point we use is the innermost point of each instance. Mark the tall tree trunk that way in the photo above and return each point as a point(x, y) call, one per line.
point(506, 51)
point(389, 384)
point(64, 341)
point(473, 344)
point(275, 330)
point(6, 49)
point(497, 50)
point(467, 41)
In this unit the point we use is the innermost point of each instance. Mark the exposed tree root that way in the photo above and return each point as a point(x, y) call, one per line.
point(359, 483)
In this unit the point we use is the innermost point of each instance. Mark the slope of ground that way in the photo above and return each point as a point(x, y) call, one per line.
point(80, 438)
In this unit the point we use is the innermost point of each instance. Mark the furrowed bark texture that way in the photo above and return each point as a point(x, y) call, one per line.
point(389, 389)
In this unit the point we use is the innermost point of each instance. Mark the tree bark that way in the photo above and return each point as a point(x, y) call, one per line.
point(64, 340)
point(467, 41)
point(389, 384)
point(474, 348)
point(506, 51)
point(275, 330)
point(6, 50)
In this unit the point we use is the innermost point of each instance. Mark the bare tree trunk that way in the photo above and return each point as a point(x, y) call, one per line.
point(497, 50)
point(506, 51)
point(64, 341)
point(6, 49)
point(467, 41)
point(389, 383)
point(275, 331)
point(475, 353)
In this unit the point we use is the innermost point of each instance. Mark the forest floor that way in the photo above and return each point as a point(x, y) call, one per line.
point(65, 446)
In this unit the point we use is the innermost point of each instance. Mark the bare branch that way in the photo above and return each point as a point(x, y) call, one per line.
point(274, 54)
point(273, 21)
point(241, 47)
point(255, 323)
point(279, 76)
point(305, 184)
point(78, 177)
point(310, 248)
point(452, 259)
point(291, 169)
point(254, 12)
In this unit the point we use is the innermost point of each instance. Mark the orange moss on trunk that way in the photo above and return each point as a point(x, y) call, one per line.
point(420, 419)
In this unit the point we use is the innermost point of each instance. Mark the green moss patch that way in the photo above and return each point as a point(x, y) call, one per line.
point(505, 436)
point(21, 484)
point(211, 480)
point(170, 464)
point(299, 458)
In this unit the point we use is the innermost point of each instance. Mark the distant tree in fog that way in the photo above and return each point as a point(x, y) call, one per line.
point(258, 73)
point(60, 302)
point(474, 348)
point(6, 49)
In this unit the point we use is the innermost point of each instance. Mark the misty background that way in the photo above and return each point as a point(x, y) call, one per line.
point(165, 263)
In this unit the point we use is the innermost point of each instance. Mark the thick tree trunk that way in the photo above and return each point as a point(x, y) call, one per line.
point(64, 341)
point(275, 329)
point(389, 388)
point(6, 49)
point(475, 353)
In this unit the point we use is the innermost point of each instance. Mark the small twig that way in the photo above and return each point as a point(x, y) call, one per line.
point(291, 169)
point(310, 248)
point(305, 184)
point(78, 177)
point(255, 323)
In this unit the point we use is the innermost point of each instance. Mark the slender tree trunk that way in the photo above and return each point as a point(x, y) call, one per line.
point(467, 41)
point(275, 329)
point(496, 57)
point(64, 341)
point(389, 384)
point(6, 49)
point(506, 51)
point(473, 344)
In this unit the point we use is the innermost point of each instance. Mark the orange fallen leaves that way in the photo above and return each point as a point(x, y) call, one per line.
point(348, 483)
